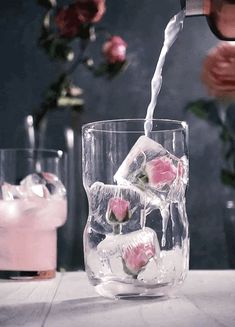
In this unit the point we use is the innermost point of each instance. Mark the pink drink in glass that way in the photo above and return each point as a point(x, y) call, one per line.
point(28, 235)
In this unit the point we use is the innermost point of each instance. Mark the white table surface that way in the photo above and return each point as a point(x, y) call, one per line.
point(207, 299)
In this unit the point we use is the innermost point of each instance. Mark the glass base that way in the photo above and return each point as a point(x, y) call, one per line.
point(120, 290)
point(27, 275)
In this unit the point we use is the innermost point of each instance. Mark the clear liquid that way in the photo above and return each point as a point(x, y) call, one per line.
point(172, 31)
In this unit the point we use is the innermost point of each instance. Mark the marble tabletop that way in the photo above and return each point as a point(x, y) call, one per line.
point(207, 298)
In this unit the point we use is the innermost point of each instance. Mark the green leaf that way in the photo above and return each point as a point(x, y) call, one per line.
point(109, 70)
point(56, 48)
point(67, 101)
point(225, 135)
point(206, 110)
point(228, 177)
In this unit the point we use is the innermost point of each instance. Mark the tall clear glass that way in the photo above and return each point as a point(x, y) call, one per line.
point(136, 240)
point(32, 206)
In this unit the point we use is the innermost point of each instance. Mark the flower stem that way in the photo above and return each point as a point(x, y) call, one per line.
point(117, 229)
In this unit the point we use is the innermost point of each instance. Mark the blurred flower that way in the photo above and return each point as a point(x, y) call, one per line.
point(118, 210)
point(66, 35)
point(90, 11)
point(218, 72)
point(136, 257)
point(160, 171)
point(114, 50)
point(67, 22)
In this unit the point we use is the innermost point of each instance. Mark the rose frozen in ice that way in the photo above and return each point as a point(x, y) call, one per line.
point(218, 71)
point(118, 211)
point(67, 21)
point(159, 171)
point(114, 50)
point(136, 257)
point(90, 11)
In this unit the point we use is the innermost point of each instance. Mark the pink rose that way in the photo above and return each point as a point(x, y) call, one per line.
point(67, 22)
point(118, 210)
point(160, 171)
point(218, 71)
point(136, 257)
point(114, 50)
point(90, 11)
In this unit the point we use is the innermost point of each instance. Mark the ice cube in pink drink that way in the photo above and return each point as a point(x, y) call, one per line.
point(28, 233)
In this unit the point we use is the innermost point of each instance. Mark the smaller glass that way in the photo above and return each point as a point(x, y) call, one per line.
point(32, 206)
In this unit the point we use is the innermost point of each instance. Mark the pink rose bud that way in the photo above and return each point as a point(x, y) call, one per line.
point(118, 210)
point(67, 22)
point(136, 258)
point(161, 171)
point(114, 50)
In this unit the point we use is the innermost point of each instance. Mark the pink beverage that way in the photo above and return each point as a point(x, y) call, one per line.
point(28, 235)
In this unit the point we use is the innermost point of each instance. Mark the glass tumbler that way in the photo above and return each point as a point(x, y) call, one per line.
point(136, 240)
point(32, 206)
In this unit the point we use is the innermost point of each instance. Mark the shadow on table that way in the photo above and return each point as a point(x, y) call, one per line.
point(97, 304)
point(23, 315)
point(37, 313)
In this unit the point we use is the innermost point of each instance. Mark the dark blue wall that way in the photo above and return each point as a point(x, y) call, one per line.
point(26, 72)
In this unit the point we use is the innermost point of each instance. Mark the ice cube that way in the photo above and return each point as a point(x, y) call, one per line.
point(127, 255)
point(152, 169)
point(150, 272)
point(44, 185)
point(10, 192)
point(117, 209)
point(171, 265)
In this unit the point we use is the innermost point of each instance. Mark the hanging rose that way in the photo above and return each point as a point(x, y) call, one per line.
point(136, 257)
point(114, 50)
point(118, 211)
point(218, 72)
point(67, 22)
point(90, 11)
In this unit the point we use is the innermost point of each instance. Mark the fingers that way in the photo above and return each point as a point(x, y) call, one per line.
point(218, 70)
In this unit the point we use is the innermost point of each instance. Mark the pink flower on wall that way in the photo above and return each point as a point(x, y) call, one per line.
point(218, 72)
point(69, 19)
point(90, 11)
point(118, 210)
point(67, 22)
point(135, 258)
point(160, 171)
point(114, 50)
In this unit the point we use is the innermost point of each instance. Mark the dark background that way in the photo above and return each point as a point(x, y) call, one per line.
point(26, 72)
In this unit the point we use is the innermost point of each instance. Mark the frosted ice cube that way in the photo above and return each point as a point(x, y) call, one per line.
point(115, 208)
point(171, 265)
point(10, 192)
point(152, 169)
point(150, 272)
point(127, 255)
point(44, 185)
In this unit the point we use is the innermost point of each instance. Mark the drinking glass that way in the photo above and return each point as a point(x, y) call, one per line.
point(32, 206)
point(136, 240)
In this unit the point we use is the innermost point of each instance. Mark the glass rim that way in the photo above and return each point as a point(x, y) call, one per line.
point(182, 125)
point(58, 152)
